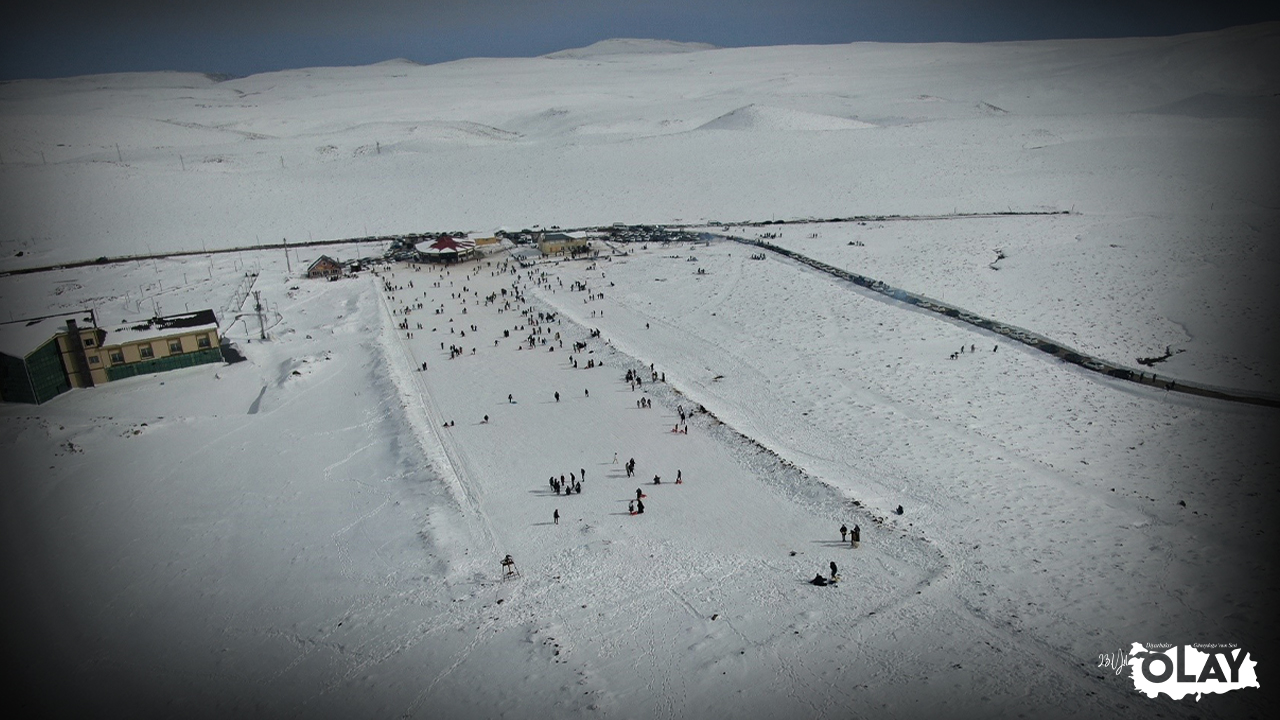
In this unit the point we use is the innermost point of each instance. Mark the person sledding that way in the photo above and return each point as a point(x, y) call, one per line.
point(819, 580)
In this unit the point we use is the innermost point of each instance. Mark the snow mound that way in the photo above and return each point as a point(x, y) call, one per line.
point(631, 46)
point(763, 117)
point(393, 62)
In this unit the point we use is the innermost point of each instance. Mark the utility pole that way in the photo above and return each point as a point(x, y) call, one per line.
point(257, 305)
point(287, 265)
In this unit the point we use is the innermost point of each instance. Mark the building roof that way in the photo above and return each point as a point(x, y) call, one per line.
point(323, 260)
point(20, 337)
point(564, 237)
point(200, 320)
point(446, 245)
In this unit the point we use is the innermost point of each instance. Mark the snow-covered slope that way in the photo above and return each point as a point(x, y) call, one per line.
point(753, 117)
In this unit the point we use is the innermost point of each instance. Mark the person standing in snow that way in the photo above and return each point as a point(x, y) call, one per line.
point(639, 507)
point(855, 536)
point(638, 494)
point(557, 396)
point(833, 571)
point(679, 478)
point(843, 532)
point(555, 516)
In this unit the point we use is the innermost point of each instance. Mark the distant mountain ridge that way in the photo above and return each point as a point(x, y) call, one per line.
point(631, 46)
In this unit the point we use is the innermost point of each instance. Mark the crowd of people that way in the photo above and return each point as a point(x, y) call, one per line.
point(534, 329)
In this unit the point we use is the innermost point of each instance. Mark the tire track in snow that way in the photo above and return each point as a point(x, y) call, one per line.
point(1026, 337)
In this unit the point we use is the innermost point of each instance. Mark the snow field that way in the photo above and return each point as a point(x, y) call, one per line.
point(297, 535)
point(335, 496)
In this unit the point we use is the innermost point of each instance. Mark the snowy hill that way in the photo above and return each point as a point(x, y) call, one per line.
point(317, 531)
point(630, 46)
point(753, 117)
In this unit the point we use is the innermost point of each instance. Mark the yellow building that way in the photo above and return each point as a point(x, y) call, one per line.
point(553, 243)
point(44, 357)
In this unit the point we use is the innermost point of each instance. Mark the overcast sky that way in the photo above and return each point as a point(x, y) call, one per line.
point(57, 38)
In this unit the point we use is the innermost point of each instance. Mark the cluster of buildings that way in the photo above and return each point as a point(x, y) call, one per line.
point(455, 247)
point(44, 357)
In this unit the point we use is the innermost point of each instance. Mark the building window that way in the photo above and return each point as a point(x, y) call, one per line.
point(175, 347)
point(146, 352)
point(88, 342)
point(117, 357)
point(202, 341)
point(93, 359)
